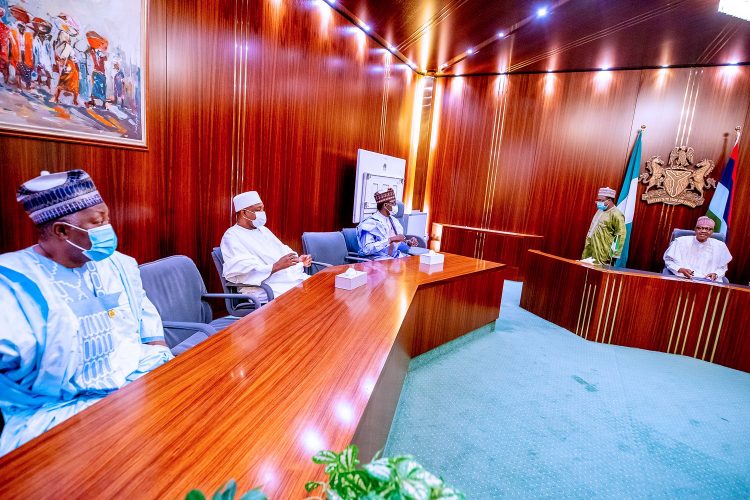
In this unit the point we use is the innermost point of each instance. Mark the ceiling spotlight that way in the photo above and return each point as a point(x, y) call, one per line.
point(331, 1)
point(605, 68)
point(366, 27)
point(734, 63)
point(542, 11)
point(469, 51)
point(736, 8)
point(549, 71)
point(501, 34)
point(665, 65)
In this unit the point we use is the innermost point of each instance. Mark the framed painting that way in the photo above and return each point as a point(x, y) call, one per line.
point(74, 70)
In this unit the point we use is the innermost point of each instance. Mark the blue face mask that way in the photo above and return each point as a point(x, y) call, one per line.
point(103, 242)
point(601, 205)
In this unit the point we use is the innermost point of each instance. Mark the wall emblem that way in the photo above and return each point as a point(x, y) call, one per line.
point(680, 182)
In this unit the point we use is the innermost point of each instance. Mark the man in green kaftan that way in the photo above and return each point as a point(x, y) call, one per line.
point(607, 232)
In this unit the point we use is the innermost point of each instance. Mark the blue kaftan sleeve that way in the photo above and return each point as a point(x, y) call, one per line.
point(372, 239)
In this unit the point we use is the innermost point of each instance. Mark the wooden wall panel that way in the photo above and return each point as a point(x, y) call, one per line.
point(541, 145)
point(276, 98)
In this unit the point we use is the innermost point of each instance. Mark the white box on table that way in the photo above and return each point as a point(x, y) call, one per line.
point(431, 258)
point(351, 279)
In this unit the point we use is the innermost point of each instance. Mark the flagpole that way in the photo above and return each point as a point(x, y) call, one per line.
point(738, 130)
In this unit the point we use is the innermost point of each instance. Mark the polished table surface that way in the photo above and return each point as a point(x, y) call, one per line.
point(316, 368)
point(707, 321)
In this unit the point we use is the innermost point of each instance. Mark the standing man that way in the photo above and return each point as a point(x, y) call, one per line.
point(253, 254)
point(698, 256)
point(607, 232)
point(75, 323)
point(381, 235)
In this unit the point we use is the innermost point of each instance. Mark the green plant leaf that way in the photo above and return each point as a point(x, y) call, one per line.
point(254, 494)
point(379, 469)
point(407, 469)
point(428, 478)
point(415, 490)
point(227, 491)
point(325, 456)
point(311, 485)
point(348, 457)
point(449, 493)
point(195, 495)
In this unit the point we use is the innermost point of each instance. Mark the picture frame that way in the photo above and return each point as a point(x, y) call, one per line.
point(74, 70)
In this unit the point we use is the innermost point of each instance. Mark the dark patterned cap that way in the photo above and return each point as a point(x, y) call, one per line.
point(387, 196)
point(51, 196)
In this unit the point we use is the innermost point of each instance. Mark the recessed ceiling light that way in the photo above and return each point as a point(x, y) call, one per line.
point(469, 51)
point(501, 34)
point(366, 27)
point(665, 65)
point(736, 8)
point(542, 11)
point(605, 68)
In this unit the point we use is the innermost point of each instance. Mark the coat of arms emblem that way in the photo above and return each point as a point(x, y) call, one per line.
point(680, 182)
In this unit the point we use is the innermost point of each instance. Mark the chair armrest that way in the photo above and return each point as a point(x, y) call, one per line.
point(238, 296)
point(267, 289)
point(321, 264)
point(421, 242)
point(187, 325)
point(351, 258)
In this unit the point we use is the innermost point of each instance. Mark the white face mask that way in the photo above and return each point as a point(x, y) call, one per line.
point(394, 209)
point(260, 219)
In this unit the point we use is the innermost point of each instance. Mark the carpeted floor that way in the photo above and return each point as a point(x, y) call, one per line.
point(533, 411)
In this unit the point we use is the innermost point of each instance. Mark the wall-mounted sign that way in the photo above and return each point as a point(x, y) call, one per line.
point(680, 182)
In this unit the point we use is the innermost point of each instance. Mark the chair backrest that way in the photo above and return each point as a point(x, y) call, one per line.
point(352, 242)
point(399, 215)
point(175, 286)
point(678, 233)
point(329, 248)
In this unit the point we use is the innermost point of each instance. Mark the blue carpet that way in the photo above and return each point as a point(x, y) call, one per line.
point(533, 411)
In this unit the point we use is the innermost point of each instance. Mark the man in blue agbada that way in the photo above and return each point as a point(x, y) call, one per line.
point(381, 235)
point(76, 323)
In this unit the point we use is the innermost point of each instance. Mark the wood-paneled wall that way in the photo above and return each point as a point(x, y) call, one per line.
point(526, 153)
point(271, 96)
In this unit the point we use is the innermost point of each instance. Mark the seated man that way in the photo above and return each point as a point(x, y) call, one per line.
point(252, 254)
point(698, 256)
point(381, 235)
point(75, 323)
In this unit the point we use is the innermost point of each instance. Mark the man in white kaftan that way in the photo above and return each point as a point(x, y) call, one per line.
point(698, 256)
point(253, 254)
point(75, 323)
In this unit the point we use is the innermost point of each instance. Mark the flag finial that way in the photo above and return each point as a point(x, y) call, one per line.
point(643, 127)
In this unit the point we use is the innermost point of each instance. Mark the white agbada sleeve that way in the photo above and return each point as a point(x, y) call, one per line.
point(673, 256)
point(722, 257)
point(241, 266)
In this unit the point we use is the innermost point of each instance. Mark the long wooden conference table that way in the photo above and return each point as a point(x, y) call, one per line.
point(708, 321)
point(317, 368)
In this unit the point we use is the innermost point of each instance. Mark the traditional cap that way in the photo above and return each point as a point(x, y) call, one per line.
point(387, 196)
point(247, 199)
point(607, 192)
point(51, 196)
point(706, 221)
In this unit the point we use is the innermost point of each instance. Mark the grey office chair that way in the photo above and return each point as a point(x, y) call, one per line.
point(253, 299)
point(679, 233)
point(399, 215)
point(352, 242)
point(176, 288)
point(327, 249)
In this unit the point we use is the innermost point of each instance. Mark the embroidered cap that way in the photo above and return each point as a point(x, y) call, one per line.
point(51, 196)
point(387, 196)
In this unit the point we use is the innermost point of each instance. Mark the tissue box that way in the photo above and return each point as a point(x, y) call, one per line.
point(346, 282)
point(431, 258)
point(430, 269)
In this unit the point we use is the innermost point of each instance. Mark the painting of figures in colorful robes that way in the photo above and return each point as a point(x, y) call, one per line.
point(73, 69)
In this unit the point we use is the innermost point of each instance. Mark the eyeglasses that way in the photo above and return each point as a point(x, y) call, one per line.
point(701, 228)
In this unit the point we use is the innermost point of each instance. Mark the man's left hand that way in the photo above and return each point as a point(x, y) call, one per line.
point(712, 276)
point(306, 260)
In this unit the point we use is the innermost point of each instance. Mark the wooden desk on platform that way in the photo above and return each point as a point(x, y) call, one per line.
point(708, 321)
point(498, 246)
point(317, 368)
